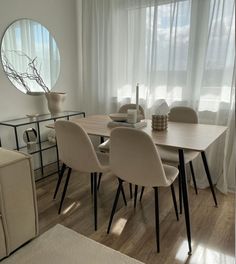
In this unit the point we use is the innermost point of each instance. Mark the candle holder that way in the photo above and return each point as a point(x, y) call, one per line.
point(159, 122)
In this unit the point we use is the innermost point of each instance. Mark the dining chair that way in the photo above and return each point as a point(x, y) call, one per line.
point(128, 146)
point(105, 146)
point(170, 155)
point(187, 115)
point(77, 152)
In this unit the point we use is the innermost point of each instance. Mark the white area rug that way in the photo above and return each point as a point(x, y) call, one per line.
point(61, 245)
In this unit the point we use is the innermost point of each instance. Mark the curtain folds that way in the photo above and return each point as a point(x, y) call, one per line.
point(179, 50)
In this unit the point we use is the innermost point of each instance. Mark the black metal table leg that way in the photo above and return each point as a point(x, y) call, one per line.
point(130, 190)
point(204, 159)
point(157, 219)
point(95, 200)
point(135, 195)
point(185, 197)
point(193, 176)
point(180, 193)
point(91, 182)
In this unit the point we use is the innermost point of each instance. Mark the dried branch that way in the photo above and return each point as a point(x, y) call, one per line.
point(32, 73)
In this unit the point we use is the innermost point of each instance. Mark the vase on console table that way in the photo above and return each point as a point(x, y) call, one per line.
point(55, 101)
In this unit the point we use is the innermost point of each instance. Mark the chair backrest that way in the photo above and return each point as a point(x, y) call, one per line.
point(135, 159)
point(75, 147)
point(183, 114)
point(124, 108)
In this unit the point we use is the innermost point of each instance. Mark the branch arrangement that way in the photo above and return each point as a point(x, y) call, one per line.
point(31, 73)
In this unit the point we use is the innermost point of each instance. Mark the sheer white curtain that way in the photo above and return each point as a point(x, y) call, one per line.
point(182, 51)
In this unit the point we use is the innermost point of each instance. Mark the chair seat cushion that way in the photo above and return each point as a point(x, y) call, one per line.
point(171, 173)
point(171, 156)
point(104, 160)
point(105, 146)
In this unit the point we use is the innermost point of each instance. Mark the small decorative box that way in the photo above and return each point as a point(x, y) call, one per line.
point(159, 122)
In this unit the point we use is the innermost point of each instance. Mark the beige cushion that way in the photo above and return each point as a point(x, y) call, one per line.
point(105, 146)
point(171, 156)
point(104, 160)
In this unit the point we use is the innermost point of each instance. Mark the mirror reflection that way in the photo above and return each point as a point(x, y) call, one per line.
point(30, 57)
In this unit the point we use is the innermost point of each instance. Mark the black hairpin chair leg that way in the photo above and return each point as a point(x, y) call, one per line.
point(114, 205)
point(174, 201)
point(59, 180)
point(64, 191)
point(123, 195)
point(99, 180)
point(157, 219)
point(204, 159)
point(193, 176)
point(141, 195)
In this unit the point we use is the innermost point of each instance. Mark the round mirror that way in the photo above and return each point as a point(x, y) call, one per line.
point(30, 57)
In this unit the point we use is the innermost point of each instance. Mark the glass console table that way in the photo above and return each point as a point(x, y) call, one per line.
point(40, 145)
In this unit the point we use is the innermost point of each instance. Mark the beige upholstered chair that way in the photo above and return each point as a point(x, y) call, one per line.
point(170, 155)
point(76, 151)
point(124, 109)
point(128, 147)
point(105, 146)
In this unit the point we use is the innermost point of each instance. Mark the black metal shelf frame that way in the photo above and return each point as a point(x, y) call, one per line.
point(41, 146)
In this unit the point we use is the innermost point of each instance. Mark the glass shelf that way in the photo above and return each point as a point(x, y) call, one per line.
point(40, 118)
point(36, 148)
point(40, 146)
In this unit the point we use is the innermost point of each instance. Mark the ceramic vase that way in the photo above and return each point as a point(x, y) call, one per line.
point(55, 101)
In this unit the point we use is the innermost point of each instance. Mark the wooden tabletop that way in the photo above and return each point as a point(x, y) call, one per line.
point(180, 135)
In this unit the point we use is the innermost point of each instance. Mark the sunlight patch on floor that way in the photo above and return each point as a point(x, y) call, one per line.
point(201, 253)
point(73, 206)
point(119, 226)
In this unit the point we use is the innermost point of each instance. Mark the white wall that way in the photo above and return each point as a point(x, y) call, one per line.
point(59, 16)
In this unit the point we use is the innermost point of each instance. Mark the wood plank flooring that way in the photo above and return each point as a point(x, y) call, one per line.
point(133, 230)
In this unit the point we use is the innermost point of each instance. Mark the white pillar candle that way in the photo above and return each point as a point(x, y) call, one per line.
point(137, 97)
point(132, 116)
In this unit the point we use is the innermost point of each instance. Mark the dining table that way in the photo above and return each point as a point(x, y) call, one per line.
point(181, 136)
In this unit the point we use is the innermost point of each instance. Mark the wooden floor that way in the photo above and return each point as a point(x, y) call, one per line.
point(133, 230)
